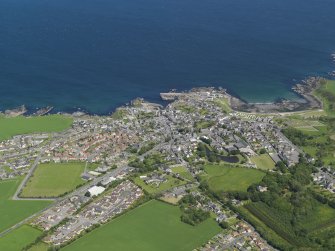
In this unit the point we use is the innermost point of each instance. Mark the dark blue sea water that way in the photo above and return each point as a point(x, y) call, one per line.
point(99, 54)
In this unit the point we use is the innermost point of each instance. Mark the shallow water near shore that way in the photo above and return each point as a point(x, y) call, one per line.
point(100, 54)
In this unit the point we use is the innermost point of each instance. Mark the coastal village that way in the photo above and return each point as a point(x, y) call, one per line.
point(138, 149)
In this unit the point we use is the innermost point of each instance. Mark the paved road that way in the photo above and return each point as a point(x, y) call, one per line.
point(24, 181)
point(79, 191)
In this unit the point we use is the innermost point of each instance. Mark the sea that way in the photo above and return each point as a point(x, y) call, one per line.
point(96, 55)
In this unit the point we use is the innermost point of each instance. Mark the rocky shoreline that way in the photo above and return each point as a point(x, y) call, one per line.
point(305, 90)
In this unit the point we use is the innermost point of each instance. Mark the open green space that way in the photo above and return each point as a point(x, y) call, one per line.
point(54, 179)
point(223, 104)
point(327, 94)
point(40, 246)
point(12, 212)
point(150, 227)
point(152, 189)
point(263, 161)
point(19, 238)
point(23, 125)
point(183, 172)
point(223, 178)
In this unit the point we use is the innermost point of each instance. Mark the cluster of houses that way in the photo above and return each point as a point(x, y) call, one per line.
point(97, 212)
point(325, 177)
point(59, 212)
point(91, 146)
point(154, 178)
point(260, 133)
point(18, 153)
point(242, 236)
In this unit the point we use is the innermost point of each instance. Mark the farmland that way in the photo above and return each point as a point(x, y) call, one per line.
point(19, 238)
point(152, 226)
point(47, 178)
point(24, 125)
point(223, 178)
point(12, 212)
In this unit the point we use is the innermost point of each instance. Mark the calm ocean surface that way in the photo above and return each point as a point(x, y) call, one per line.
point(99, 54)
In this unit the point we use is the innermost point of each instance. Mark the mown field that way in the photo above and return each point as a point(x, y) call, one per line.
point(54, 179)
point(24, 125)
point(150, 227)
point(12, 212)
point(152, 189)
point(223, 178)
point(19, 238)
point(263, 161)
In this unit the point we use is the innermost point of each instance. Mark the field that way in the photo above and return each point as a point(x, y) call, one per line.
point(183, 172)
point(151, 227)
point(171, 182)
point(222, 178)
point(24, 125)
point(19, 238)
point(12, 212)
point(53, 180)
point(41, 246)
point(327, 94)
point(263, 161)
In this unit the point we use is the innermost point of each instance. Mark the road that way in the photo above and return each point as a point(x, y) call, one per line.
point(26, 178)
point(79, 191)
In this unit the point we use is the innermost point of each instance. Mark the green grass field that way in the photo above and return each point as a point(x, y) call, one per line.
point(18, 238)
point(54, 179)
point(183, 172)
point(221, 178)
point(150, 227)
point(171, 182)
point(324, 93)
point(263, 161)
point(12, 212)
point(24, 125)
point(41, 246)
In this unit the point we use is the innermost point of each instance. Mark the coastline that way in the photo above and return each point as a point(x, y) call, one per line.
point(304, 90)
